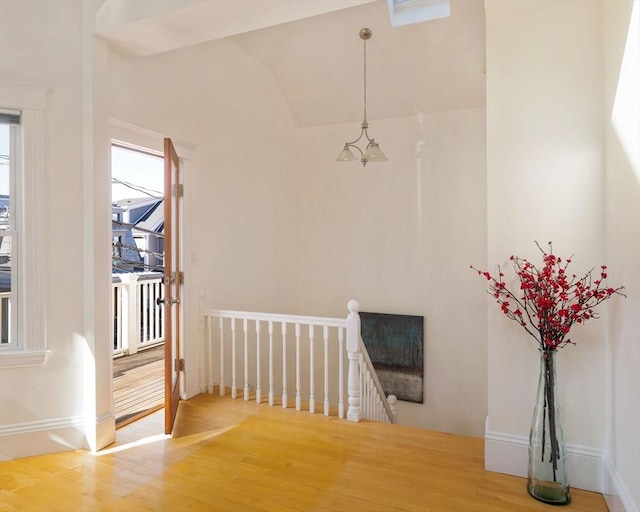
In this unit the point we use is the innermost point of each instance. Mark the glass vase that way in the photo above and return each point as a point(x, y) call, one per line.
point(548, 479)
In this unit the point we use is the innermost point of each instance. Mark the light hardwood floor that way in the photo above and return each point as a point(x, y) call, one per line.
point(230, 455)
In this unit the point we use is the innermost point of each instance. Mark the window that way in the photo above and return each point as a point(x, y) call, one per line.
point(405, 12)
point(9, 162)
point(22, 114)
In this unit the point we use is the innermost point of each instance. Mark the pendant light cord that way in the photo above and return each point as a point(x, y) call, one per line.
point(365, 81)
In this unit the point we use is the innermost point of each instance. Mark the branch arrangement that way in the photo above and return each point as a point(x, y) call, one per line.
point(550, 300)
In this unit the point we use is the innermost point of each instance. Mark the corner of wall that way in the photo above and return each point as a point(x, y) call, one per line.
point(616, 494)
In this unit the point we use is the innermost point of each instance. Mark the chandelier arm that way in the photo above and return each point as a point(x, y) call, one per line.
point(366, 134)
point(363, 132)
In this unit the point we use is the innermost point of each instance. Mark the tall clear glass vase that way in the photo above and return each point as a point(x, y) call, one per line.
point(548, 479)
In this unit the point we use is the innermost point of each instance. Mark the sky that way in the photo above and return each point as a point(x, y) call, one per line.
point(141, 170)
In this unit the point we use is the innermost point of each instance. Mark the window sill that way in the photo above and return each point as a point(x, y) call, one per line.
point(19, 358)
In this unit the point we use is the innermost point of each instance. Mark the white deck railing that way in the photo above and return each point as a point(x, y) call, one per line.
point(137, 316)
point(251, 352)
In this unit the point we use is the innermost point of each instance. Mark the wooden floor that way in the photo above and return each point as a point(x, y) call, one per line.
point(138, 384)
point(230, 455)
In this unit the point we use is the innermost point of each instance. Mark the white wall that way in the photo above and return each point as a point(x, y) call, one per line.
point(277, 225)
point(239, 184)
point(545, 182)
point(399, 236)
point(622, 218)
point(43, 408)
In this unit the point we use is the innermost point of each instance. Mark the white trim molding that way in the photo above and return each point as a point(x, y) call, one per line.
point(136, 136)
point(20, 95)
point(31, 101)
point(509, 454)
point(43, 436)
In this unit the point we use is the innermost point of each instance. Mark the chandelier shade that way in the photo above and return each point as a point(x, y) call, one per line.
point(372, 151)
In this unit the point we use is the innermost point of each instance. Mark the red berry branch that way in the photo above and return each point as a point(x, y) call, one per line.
point(551, 299)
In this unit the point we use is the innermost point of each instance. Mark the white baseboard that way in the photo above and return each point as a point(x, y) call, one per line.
point(509, 454)
point(616, 495)
point(37, 437)
point(105, 430)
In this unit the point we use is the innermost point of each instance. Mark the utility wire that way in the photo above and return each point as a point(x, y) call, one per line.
point(135, 248)
point(133, 226)
point(135, 264)
point(147, 191)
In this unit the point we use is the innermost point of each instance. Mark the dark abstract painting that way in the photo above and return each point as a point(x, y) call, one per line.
point(395, 346)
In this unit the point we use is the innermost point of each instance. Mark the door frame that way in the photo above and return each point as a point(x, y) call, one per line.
point(135, 136)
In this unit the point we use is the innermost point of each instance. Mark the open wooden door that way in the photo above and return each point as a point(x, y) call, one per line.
point(173, 280)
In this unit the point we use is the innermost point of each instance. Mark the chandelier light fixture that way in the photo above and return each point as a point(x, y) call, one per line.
point(372, 152)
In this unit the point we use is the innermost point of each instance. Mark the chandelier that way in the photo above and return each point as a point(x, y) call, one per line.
point(372, 152)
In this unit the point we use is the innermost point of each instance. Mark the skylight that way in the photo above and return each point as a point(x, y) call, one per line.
point(405, 12)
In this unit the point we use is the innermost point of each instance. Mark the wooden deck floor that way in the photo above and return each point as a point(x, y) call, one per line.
point(138, 384)
point(229, 455)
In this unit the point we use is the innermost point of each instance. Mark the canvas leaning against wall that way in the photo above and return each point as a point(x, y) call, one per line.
point(395, 346)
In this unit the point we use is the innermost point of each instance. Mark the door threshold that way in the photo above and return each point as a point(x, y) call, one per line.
point(127, 420)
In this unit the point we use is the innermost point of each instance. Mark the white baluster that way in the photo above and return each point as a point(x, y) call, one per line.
point(144, 289)
point(312, 372)
point(298, 397)
point(156, 310)
point(368, 402)
point(222, 387)
point(209, 357)
point(325, 335)
point(372, 395)
point(372, 398)
point(258, 362)
point(353, 353)
point(246, 360)
point(363, 394)
point(234, 388)
point(284, 365)
point(119, 313)
point(340, 372)
point(271, 394)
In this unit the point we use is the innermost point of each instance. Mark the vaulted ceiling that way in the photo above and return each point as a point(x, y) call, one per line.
point(316, 56)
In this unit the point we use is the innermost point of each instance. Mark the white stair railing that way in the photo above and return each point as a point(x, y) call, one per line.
point(373, 407)
point(366, 396)
point(294, 338)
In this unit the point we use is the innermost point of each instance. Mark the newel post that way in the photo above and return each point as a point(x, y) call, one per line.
point(353, 354)
point(393, 404)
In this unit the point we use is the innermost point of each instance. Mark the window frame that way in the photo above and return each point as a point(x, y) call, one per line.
point(28, 207)
point(15, 162)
